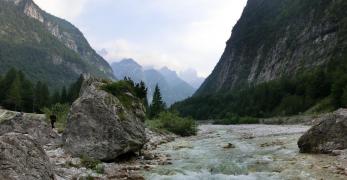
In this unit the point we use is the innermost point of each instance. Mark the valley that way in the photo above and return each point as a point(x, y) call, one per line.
point(273, 107)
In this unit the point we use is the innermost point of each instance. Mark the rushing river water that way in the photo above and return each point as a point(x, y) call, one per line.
point(257, 152)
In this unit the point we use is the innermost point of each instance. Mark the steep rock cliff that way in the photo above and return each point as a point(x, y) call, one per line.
point(279, 38)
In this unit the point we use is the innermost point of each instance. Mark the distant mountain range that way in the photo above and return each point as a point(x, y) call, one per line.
point(191, 77)
point(45, 47)
point(172, 87)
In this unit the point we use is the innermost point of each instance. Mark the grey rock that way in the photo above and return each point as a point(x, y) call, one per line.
point(101, 127)
point(328, 135)
point(32, 124)
point(22, 158)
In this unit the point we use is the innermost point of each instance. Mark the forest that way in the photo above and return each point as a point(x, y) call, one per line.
point(18, 93)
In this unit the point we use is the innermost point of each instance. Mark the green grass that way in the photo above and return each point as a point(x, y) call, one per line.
point(92, 164)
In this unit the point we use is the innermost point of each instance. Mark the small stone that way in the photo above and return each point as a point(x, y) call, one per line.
point(229, 146)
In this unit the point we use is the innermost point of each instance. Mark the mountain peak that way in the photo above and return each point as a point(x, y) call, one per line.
point(128, 62)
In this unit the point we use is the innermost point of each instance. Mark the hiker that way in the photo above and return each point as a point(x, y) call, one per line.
point(53, 120)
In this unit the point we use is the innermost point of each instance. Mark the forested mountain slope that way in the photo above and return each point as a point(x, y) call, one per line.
point(45, 47)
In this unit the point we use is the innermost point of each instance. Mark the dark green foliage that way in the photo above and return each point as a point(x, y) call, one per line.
point(120, 89)
point(92, 164)
point(285, 96)
point(157, 105)
point(173, 123)
point(13, 98)
point(42, 96)
point(27, 94)
point(55, 97)
point(141, 91)
point(19, 94)
point(64, 96)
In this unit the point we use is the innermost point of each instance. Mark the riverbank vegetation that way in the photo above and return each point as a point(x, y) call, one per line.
point(172, 122)
point(160, 119)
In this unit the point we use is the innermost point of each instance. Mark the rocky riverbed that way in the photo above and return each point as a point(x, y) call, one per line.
point(246, 152)
point(129, 166)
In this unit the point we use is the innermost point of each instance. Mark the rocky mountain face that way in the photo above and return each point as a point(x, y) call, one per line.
point(45, 47)
point(172, 87)
point(279, 38)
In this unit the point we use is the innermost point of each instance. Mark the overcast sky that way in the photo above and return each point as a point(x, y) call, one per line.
point(179, 34)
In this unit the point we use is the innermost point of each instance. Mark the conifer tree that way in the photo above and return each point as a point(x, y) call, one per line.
point(55, 98)
point(143, 93)
point(45, 95)
point(6, 82)
point(41, 96)
point(13, 97)
point(27, 94)
point(64, 96)
point(37, 100)
point(157, 105)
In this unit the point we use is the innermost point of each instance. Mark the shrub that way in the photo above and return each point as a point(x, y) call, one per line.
point(121, 90)
point(61, 111)
point(171, 122)
point(92, 164)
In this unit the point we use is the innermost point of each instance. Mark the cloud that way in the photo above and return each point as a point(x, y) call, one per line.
point(121, 48)
point(67, 9)
point(179, 34)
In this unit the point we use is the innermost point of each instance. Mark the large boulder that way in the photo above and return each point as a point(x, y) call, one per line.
point(22, 158)
point(328, 134)
point(101, 127)
point(32, 124)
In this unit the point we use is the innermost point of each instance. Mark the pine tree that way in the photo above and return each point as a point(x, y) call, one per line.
point(45, 95)
point(13, 97)
point(6, 82)
point(27, 94)
point(64, 96)
point(55, 98)
point(37, 103)
point(157, 105)
point(143, 93)
point(42, 97)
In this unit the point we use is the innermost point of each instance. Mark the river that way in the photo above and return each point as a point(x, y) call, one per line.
point(242, 152)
